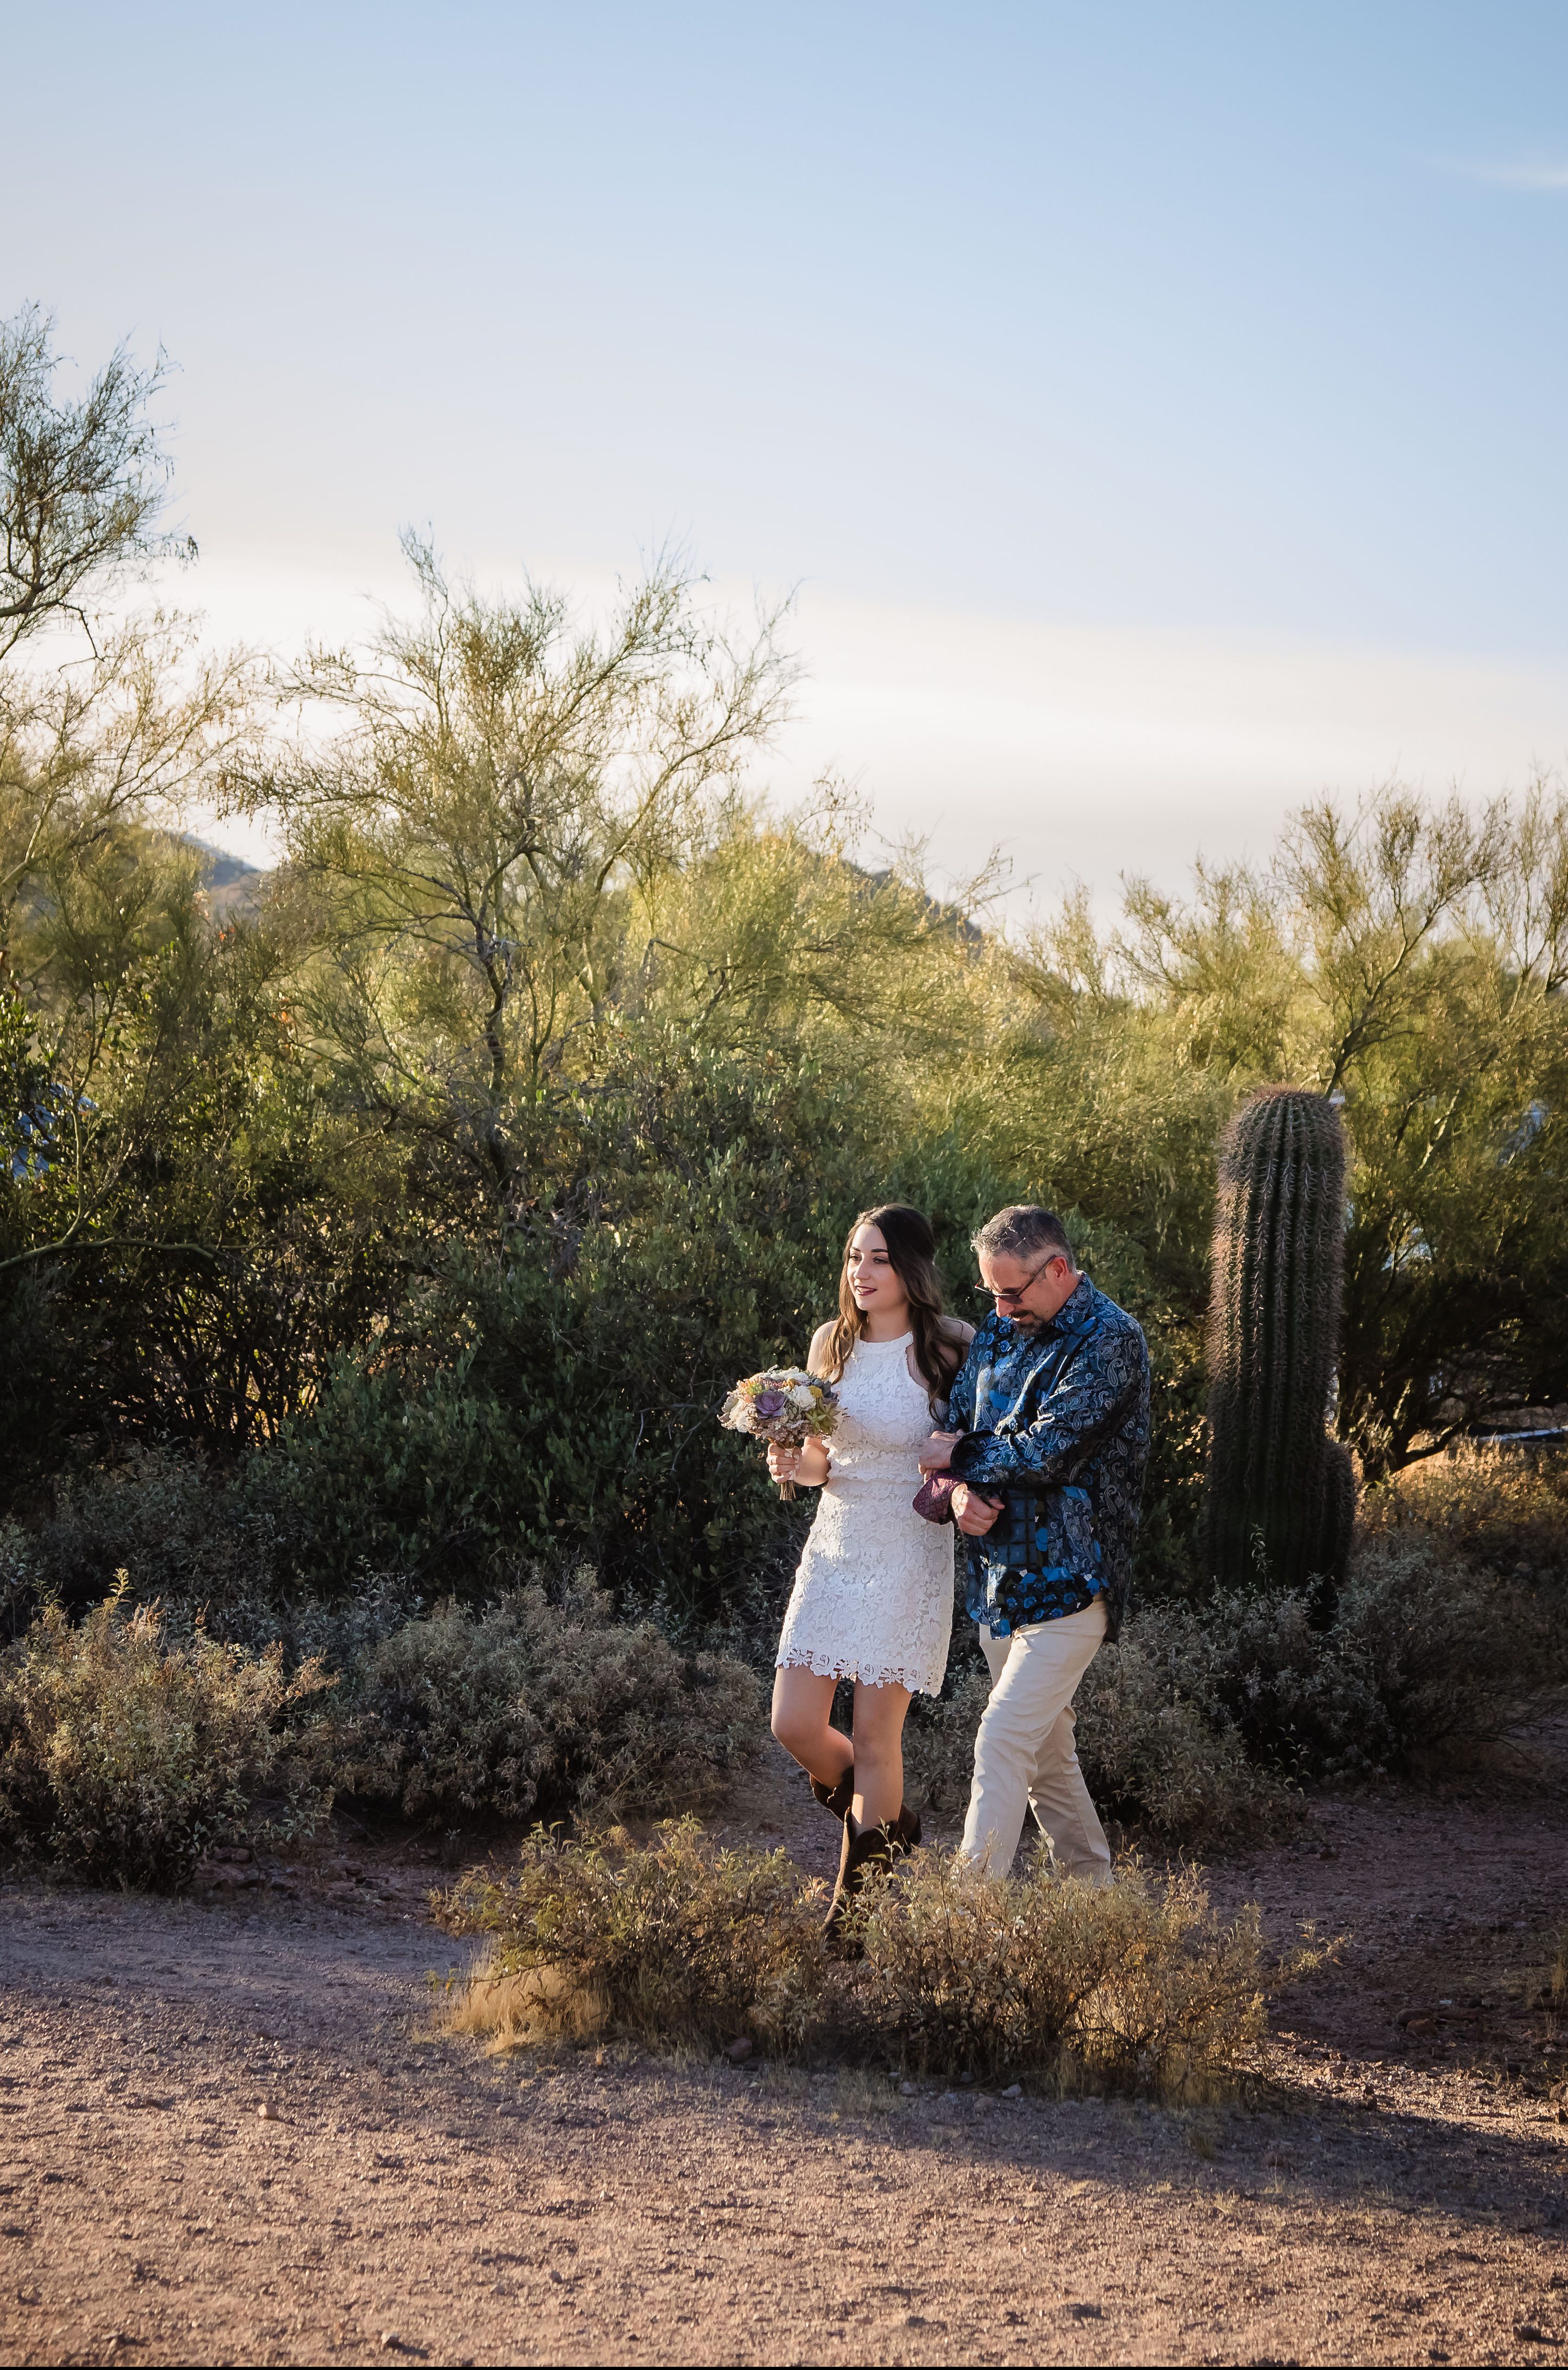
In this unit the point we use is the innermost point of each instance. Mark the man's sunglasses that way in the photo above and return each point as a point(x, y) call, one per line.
point(1016, 1293)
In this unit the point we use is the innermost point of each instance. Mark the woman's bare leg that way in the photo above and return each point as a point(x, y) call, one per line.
point(801, 1702)
point(878, 1754)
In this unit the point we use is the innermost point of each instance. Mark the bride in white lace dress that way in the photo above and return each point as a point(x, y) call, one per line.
point(872, 1600)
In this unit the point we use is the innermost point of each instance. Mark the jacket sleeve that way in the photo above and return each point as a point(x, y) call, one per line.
point(1088, 1399)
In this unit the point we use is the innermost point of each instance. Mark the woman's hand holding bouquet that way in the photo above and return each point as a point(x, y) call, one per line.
point(785, 1407)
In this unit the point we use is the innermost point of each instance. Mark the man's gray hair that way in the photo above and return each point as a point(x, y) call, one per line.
point(1022, 1231)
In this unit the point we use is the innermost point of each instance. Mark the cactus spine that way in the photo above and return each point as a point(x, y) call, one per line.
point(1276, 1481)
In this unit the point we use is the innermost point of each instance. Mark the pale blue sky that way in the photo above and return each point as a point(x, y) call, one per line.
point(1058, 352)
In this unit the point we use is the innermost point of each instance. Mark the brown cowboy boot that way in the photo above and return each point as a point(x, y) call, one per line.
point(904, 1830)
point(864, 1848)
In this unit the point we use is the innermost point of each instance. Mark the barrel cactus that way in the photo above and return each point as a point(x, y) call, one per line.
point(1281, 1493)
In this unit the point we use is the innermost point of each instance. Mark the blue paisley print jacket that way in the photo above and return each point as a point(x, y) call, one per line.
point(1065, 1406)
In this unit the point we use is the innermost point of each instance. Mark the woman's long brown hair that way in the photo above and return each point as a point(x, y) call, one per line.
point(911, 1253)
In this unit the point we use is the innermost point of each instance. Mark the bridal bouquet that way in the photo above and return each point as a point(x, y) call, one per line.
point(783, 1404)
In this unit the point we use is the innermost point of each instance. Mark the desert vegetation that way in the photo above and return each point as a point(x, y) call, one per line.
point(680, 1939)
point(379, 1233)
point(1208, 1717)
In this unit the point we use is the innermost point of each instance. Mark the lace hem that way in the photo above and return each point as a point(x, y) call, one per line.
point(832, 1666)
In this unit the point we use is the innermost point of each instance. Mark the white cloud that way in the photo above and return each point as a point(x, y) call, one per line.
point(1516, 177)
point(1089, 753)
point(1084, 751)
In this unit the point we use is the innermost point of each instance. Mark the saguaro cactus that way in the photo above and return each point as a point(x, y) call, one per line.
point(1276, 1482)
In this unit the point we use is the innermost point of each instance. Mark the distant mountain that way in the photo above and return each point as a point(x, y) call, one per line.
point(227, 880)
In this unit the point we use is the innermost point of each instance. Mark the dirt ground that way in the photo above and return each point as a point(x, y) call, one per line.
point(226, 2136)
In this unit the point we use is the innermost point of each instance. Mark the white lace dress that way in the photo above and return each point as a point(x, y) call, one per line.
point(873, 1596)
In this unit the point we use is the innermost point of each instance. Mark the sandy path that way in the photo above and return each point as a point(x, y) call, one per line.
point(413, 2200)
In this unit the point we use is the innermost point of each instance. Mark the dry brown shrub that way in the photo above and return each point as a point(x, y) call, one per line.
point(679, 1940)
point(1505, 1508)
point(684, 1941)
point(1134, 1981)
point(514, 2011)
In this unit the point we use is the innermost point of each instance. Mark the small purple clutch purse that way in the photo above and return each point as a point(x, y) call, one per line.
point(934, 1497)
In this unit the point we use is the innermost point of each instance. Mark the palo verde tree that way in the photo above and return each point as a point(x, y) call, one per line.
point(152, 1108)
point(82, 481)
point(107, 727)
point(1412, 958)
point(501, 790)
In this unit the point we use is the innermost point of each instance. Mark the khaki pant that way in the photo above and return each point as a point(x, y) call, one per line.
point(1024, 1754)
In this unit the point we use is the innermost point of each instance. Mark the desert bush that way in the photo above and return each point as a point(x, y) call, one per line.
point(531, 1706)
point(938, 1734)
point(1452, 1655)
point(681, 1940)
point(1505, 1507)
point(18, 1580)
point(1427, 1651)
point(1134, 1979)
point(161, 1518)
point(685, 1941)
point(1150, 1754)
point(1257, 1670)
point(125, 1755)
point(1201, 1723)
point(211, 1552)
point(1164, 1763)
point(134, 1739)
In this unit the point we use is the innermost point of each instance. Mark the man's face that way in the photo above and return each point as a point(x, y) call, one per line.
point(1029, 1291)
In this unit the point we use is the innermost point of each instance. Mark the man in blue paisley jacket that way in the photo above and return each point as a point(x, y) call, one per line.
point(1049, 1438)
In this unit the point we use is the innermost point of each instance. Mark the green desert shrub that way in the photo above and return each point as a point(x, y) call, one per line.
point(1201, 1725)
point(164, 1520)
point(683, 1940)
point(1429, 1651)
point(1259, 1675)
point(938, 1734)
point(125, 1754)
point(1452, 1655)
point(1163, 1762)
point(18, 1580)
point(562, 1398)
point(529, 1707)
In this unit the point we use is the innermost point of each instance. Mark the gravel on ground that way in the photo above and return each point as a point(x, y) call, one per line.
point(228, 2135)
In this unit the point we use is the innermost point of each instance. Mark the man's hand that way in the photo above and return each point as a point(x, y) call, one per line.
point(974, 1514)
point(938, 1451)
